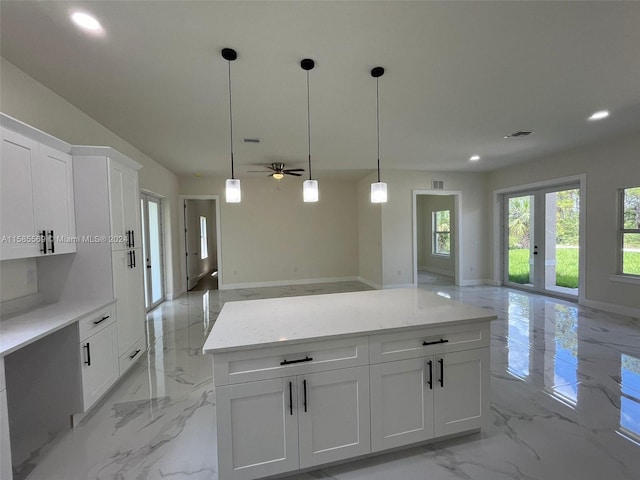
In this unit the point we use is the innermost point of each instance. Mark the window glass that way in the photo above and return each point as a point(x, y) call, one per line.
point(204, 250)
point(442, 232)
point(630, 233)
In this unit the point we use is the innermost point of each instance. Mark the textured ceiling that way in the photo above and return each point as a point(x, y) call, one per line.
point(459, 76)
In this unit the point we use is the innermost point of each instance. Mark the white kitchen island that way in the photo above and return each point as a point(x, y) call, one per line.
point(306, 381)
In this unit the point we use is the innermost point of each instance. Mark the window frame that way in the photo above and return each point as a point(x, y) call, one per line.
point(435, 232)
point(204, 239)
point(622, 231)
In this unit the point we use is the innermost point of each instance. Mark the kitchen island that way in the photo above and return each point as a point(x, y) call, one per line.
point(306, 381)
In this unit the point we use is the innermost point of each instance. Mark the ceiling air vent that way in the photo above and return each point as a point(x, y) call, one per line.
point(519, 133)
point(251, 140)
point(437, 185)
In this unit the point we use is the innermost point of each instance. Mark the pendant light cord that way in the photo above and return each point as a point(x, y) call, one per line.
point(378, 123)
point(230, 120)
point(309, 123)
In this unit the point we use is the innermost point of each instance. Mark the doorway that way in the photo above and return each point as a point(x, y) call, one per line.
point(201, 240)
point(541, 240)
point(152, 249)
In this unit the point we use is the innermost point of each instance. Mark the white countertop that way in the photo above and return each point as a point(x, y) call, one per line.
point(279, 321)
point(22, 329)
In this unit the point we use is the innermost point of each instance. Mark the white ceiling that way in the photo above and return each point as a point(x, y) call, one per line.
point(459, 76)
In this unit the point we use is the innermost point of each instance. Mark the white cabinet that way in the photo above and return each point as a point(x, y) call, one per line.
point(36, 198)
point(125, 207)
point(5, 443)
point(98, 356)
point(278, 425)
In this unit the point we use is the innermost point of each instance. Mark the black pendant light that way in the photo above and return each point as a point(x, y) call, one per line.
point(232, 185)
point(309, 187)
point(378, 189)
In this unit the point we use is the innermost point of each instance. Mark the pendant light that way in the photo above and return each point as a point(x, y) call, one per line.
point(378, 189)
point(232, 190)
point(309, 187)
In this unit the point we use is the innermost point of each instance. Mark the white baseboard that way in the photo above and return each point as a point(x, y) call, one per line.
point(370, 283)
point(473, 283)
point(438, 271)
point(285, 283)
point(610, 307)
point(399, 285)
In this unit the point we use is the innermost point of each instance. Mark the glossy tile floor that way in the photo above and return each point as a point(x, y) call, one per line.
point(565, 401)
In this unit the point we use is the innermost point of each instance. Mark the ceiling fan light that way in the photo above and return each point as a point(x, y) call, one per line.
point(379, 192)
point(278, 175)
point(232, 191)
point(310, 191)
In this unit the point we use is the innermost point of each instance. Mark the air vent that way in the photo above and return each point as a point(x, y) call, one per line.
point(437, 185)
point(251, 140)
point(519, 133)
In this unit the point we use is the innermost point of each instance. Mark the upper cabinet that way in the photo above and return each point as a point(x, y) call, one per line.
point(36, 198)
point(125, 207)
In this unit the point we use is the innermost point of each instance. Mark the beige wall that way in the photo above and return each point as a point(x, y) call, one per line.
point(27, 100)
point(426, 205)
point(272, 236)
point(369, 234)
point(397, 224)
point(608, 166)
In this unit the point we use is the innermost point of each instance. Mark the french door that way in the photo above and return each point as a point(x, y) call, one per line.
point(541, 239)
point(152, 250)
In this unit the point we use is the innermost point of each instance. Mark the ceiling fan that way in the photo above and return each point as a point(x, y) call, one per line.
point(278, 171)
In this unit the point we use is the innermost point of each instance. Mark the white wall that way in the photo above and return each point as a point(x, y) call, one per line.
point(27, 100)
point(609, 166)
point(369, 234)
point(272, 236)
point(426, 205)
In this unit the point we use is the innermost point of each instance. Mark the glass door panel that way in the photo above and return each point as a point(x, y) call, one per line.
point(519, 231)
point(152, 250)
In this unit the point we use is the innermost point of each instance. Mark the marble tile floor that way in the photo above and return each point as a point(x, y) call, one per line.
point(425, 278)
point(565, 401)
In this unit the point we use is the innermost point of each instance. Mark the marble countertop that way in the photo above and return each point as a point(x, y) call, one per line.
point(24, 328)
point(277, 321)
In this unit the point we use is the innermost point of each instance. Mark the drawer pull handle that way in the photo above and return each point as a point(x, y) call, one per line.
point(304, 387)
point(133, 355)
point(101, 320)
point(441, 362)
point(430, 382)
point(300, 360)
point(442, 340)
point(88, 360)
point(290, 399)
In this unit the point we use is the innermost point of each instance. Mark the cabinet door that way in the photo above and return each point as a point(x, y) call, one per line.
point(257, 429)
point(401, 402)
point(117, 205)
point(17, 155)
point(128, 290)
point(131, 199)
point(463, 398)
point(53, 199)
point(99, 355)
point(333, 415)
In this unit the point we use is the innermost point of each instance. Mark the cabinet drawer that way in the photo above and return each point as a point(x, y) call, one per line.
point(404, 345)
point(273, 362)
point(132, 355)
point(91, 324)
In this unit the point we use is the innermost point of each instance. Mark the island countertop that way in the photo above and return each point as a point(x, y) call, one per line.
point(282, 321)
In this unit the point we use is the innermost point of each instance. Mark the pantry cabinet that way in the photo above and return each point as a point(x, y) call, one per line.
point(36, 197)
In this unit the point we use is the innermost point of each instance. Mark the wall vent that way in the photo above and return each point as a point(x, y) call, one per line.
point(437, 185)
point(519, 133)
point(251, 140)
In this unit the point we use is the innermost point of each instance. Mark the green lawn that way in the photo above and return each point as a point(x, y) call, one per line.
point(567, 267)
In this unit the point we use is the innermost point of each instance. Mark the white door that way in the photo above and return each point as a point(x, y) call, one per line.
point(401, 402)
point(333, 415)
point(99, 364)
point(16, 197)
point(152, 250)
point(116, 197)
point(460, 395)
point(257, 429)
point(128, 290)
point(53, 199)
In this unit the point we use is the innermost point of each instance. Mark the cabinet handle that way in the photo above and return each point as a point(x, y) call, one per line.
point(88, 361)
point(290, 399)
point(52, 241)
point(304, 387)
point(132, 356)
point(289, 362)
point(133, 239)
point(430, 382)
point(43, 234)
point(133, 255)
point(130, 264)
point(442, 340)
point(101, 320)
point(441, 362)
point(128, 238)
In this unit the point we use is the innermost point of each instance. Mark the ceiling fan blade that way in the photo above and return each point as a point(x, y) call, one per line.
point(294, 174)
point(294, 170)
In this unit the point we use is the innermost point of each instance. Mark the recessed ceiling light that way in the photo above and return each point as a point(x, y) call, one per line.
point(86, 22)
point(599, 115)
point(474, 158)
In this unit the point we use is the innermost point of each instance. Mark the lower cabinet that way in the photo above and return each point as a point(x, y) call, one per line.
point(428, 397)
point(284, 424)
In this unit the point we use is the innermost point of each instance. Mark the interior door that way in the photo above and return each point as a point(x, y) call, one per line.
point(192, 241)
point(152, 250)
point(541, 240)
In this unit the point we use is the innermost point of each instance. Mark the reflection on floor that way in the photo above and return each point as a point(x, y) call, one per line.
point(565, 401)
point(208, 282)
point(425, 277)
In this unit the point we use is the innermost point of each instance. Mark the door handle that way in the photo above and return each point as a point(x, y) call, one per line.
point(430, 382)
point(441, 362)
point(133, 252)
point(88, 360)
point(43, 235)
point(304, 387)
point(290, 399)
point(52, 241)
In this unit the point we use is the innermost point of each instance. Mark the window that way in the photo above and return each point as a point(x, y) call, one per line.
point(204, 250)
point(441, 233)
point(630, 231)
